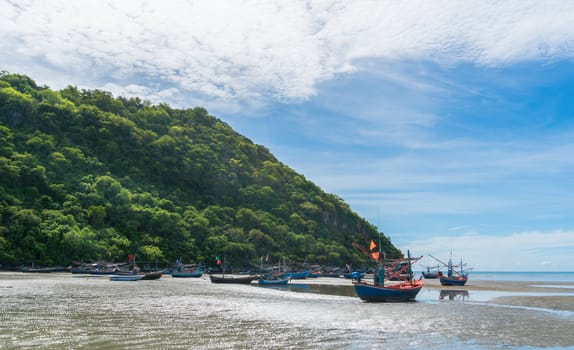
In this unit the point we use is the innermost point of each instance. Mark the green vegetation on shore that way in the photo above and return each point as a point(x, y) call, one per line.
point(84, 175)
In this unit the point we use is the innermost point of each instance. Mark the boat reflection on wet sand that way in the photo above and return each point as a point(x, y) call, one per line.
point(453, 294)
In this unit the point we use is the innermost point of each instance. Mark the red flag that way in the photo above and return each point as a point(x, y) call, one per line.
point(373, 245)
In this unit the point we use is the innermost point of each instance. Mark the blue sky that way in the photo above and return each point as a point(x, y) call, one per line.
point(447, 125)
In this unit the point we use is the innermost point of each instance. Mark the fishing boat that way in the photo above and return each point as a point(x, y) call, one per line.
point(186, 271)
point(431, 272)
point(452, 280)
point(101, 268)
point(393, 280)
point(354, 275)
point(453, 277)
point(42, 270)
point(231, 279)
point(187, 274)
point(237, 280)
point(152, 275)
point(126, 277)
point(273, 282)
point(301, 275)
point(385, 292)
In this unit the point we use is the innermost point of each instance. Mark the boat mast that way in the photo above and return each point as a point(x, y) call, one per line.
point(410, 266)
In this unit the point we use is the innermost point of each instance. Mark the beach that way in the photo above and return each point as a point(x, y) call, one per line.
point(62, 311)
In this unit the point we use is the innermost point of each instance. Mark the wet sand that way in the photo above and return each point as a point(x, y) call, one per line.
point(513, 293)
point(528, 294)
point(63, 311)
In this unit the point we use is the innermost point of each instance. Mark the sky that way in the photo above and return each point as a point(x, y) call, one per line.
point(449, 125)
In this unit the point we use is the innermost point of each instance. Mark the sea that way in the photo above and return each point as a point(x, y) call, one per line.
point(65, 311)
point(523, 276)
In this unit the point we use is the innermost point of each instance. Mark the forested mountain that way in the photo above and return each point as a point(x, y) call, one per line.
point(84, 175)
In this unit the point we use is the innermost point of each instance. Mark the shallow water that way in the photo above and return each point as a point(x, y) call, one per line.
point(61, 311)
point(522, 276)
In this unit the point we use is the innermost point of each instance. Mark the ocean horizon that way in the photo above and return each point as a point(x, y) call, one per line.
point(528, 276)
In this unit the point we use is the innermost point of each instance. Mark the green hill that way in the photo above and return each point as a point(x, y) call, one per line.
point(84, 175)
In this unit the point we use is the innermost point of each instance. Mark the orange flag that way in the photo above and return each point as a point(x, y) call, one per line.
point(373, 245)
point(375, 256)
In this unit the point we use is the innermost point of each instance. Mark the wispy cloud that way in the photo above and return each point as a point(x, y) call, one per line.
point(249, 50)
point(430, 113)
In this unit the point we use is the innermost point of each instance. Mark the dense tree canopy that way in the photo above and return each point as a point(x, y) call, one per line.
point(84, 175)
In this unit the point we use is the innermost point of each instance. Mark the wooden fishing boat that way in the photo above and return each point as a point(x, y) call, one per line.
point(126, 277)
point(297, 275)
point(393, 280)
point(354, 275)
point(401, 291)
point(452, 280)
point(152, 275)
point(273, 282)
point(39, 270)
point(431, 272)
point(453, 277)
point(237, 280)
point(187, 274)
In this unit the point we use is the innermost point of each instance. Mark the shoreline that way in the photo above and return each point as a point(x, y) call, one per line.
point(558, 296)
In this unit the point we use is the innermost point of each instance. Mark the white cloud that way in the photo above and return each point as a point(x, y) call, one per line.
point(521, 251)
point(251, 50)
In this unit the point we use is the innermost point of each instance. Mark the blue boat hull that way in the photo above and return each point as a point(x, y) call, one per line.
point(183, 274)
point(126, 277)
point(453, 281)
point(376, 293)
point(273, 282)
point(297, 275)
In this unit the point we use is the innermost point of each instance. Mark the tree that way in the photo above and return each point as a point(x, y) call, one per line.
point(85, 175)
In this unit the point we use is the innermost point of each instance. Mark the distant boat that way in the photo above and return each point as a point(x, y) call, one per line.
point(101, 268)
point(126, 277)
point(354, 275)
point(453, 277)
point(238, 280)
point(43, 270)
point(187, 274)
point(152, 275)
point(452, 280)
point(297, 275)
point(431, 272)
point(273, 282)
